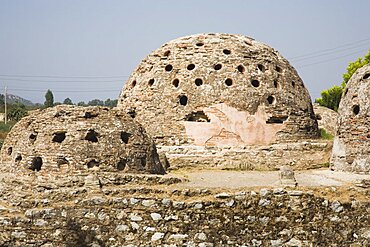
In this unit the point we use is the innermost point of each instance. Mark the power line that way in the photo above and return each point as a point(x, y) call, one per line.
point(328, 60)
point(330, 49)
point(32, 80)
point(66, 77)
point(328, 53)
point(61, 91)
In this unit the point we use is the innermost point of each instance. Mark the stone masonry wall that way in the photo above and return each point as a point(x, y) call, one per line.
point(351, 148)
point(71, 139)
point(102, 215)
point(218, 90)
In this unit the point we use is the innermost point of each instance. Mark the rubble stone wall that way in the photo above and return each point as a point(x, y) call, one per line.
point(113, 217)
point(351, 148)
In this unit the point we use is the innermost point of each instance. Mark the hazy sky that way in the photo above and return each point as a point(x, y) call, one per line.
point(105, 40)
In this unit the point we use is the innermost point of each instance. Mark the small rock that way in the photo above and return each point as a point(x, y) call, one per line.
point(263, 202)
point(166, 201)
point(198, 205)
point(133, 201)
point(17, 234)
point(205, 244)
point(171, 217)
point(278, 191)
point(336, 207)
point(155, 216)
point(122, 228)
point(276, 243)
point(178, 237)
point(150, 229)
point(157, 236)
point(230, 203)
point(148, 203)
point(256, 242)
point(201, 236)
point(135, 217)
point(294, 242)
point(134, 225)
point(264, 192)
point(40, 222)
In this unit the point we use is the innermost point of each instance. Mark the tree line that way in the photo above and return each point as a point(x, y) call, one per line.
point(18, 110)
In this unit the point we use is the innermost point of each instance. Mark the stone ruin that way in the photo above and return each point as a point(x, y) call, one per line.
point(224, 94)
point(351, 148)
point(72, 139)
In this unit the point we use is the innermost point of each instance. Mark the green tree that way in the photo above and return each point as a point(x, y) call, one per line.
point(96, 102)
point(353, 66)
point(68, 101)
point(81, 103)
point(110, 103)
point(49, 99)
point(330, 98)
point(17, 112)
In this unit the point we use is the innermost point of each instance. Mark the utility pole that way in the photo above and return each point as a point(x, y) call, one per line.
point(5, 117)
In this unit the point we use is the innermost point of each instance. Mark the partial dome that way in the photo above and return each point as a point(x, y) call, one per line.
point(76, 139)
point(351, 148)
point(218, 90)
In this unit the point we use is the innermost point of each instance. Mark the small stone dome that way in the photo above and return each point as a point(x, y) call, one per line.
point(351, 148)
point(76, 139)
point(218, 90)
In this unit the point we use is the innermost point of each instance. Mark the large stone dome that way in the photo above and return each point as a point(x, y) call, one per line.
point(75, 139)
point(218, 90)
point(351, 148)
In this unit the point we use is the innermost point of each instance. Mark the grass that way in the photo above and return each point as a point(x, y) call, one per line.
point(4, 130)
point(325, 135)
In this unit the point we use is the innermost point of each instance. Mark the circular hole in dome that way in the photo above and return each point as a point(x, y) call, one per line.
point(276, 84)
point(176, 82)
point(366, 76)
point(226, 51)
point(228, 82)
point(198, 82)
point(200, 44)
point(356, 109)
point(190, 66)
point(168, 67)
point(10, 150)
point(293, 83)
point(261, 67)
point(255, 83)
point(133, 83)
point(183, 99)
point(278, 69)
point(271, 99)
point(217, 66)
point(241, 68)
point(151, 82)
point(167, 53)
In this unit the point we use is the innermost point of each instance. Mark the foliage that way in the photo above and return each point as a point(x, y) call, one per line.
point(81, 103)
point(330, 98)
point(96, 102)
point(17, 112)
point(110, 103)
point(68, 101)
point(325, 135)
point(49, 99)
point(353, 66)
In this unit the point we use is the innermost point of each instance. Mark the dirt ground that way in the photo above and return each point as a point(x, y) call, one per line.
point(242, 179)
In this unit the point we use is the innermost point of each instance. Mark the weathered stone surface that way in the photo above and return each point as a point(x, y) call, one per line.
point(287, 177)
point(219, 90)
point(326, 118)
point(71, 139)
point(351, 148)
